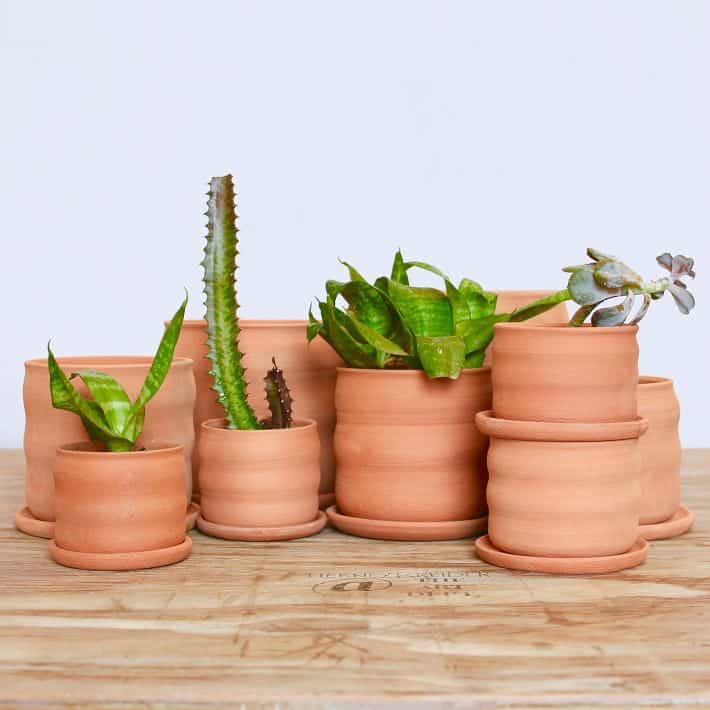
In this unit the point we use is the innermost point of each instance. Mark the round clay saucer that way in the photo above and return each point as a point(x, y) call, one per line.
point(562, 565)
point(27, 523)
point(403, 530)
point(193, 510)
point(245, 534)
point(680, 522)
point(325, 500)
point(117, 561)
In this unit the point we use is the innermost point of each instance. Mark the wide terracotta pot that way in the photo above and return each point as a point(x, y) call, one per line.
point(309, 369)
point(259, 479)
point(565, 374)
point(563, 490)
point(119, 510)
point(660, 450)
point(508, 301)
point(168, 418)
point(407, 447)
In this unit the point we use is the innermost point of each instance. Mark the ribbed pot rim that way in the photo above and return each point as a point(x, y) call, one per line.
point(652, 382)
point(83, 449)
point(254, 323)
point(559, 431)
point(585, 330)
point(468, 372)
point(125, 362)
point(217, 425)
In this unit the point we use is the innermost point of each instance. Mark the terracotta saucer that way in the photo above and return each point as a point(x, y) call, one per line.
point(562, 565)
point(27, 523)
point(680, 522)
point(193, 510)
point(402, 530)
point(325, 500)
point(116, 561)
point(288, 532)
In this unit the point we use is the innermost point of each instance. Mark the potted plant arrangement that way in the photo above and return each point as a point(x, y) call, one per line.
point(565, 462)
point(169, 418)
point(117, 506)
point(258, 478)
point(411, 464)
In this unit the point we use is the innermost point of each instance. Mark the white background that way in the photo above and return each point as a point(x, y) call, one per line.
point(494, 139)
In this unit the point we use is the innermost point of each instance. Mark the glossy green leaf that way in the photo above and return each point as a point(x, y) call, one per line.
point(355, 353)
point(378, 341)
point(442, 356)
point(399, 270)
point(425, 311)
point(477, 334)
point(480, 303)
point(110, 396)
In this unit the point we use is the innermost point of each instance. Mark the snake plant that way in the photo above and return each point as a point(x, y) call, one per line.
point(392, 324)
point(109, 416)
point(220, 291)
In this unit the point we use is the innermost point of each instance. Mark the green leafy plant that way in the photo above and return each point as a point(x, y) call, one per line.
point(109, 416)
point(391, 324)
point(220, 291)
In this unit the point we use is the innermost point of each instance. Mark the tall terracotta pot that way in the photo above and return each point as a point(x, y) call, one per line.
point(309, 370)
point(259, 485)
point(168, 418)
point(407, 447)
point(568, 492)
point(565, 374)
point(117, 511)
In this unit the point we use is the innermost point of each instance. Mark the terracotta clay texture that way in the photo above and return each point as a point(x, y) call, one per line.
point(564, 374)
point(508, 301)
point(660, 450)
point(259, 479)
point(309, 370)
point(407, 446)
point(559, 497)
point(116, 507)
point(168, 417)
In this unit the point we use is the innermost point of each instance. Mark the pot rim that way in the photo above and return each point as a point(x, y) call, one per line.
point(469, 372)
point(254, 323)
point(653, 382)
point(559, 431)
point(586, 329)
point(300, 425)
point(79, 448)
point(126, 362)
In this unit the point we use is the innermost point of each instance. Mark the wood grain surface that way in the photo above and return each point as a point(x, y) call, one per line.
point(340, 622)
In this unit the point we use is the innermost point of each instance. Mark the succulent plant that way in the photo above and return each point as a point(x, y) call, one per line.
point(109, 416)
point(227, 370)
point(278, 397)
point(607, 277)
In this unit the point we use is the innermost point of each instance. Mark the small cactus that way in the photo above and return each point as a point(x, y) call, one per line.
point(278, 398)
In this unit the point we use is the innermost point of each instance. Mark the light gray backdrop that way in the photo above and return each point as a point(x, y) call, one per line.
point(495, 139)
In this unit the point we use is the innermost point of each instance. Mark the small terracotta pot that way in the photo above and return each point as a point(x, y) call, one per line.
point(119, 510)
point(564, 374)
point(407, 446)
point(168, 417)
point(266, 478)
point(563, 490)
point(508, 301)
point(309, 370)
point(660, 450)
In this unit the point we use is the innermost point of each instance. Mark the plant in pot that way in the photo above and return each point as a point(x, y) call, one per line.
point(565, 460)
point(410, 461)
point(118, 506)
point(258, 478)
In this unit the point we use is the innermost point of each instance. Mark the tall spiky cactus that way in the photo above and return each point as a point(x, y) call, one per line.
point(221, 301)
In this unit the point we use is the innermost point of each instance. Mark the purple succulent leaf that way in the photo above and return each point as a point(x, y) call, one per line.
point(613, 315)
point(682, 266)
point(682, 297)
point(665, 260)
point(642, 310)
point(615, 274)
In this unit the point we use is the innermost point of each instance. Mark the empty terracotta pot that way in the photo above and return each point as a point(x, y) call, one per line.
point(660, 450)
point(168, 417)
point(119, 510)
point(565, 374)
point(563, 490)
point(266, 478)
point(309, 370)
point(508, 301)
point(407, 447)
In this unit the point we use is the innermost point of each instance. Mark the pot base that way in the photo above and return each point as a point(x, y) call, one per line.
point(404, 530)
point(325, 500)
point(27, 523)
point(193, 510)
point(680, 522)
point(562, 565)
point(253, 534)
point(119, 561)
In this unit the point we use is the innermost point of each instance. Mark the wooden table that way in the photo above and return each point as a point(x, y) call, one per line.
point(337, 621)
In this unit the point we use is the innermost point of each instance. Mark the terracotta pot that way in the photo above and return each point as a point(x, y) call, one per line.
point(309, 370)
point(510, 300)
point(660, 450)
point(168, 417)
point(259, 479)
point(563, 490)
point(564, 374)
point(407, 446)
point(119, 510)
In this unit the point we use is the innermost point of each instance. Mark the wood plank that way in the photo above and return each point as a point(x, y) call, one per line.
point(340, 621)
